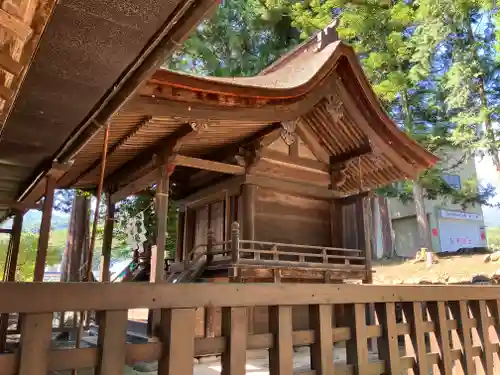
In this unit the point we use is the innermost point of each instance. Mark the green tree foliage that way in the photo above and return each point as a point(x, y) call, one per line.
point(464, 39)
point(241, 39)
point(142, 206)
point(397, 43)
point(27, 255)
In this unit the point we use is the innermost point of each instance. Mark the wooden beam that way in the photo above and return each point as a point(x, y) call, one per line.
point(10, 65)
point(267, 139)
point(209, 165)
point(165, 146)
point(276, 111)
point(348, 156)
point(133, 187)
point(56, 171)
point(292, 187)
point(116, 146)
point(180, 160)
point(294, 162)
point(15, 26)
point(304, 133)
point(5, 93)
point(377, 141)
point(264, 137)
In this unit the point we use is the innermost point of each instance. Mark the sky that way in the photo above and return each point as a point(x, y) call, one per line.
point(486, 174)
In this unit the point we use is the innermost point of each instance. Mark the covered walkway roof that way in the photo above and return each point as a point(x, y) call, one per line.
point(91, 57)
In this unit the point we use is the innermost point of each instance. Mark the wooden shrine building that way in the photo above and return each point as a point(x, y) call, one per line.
point(270, 171)
point(288, 154)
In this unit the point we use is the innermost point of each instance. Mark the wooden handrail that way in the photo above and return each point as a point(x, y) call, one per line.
point(297, 246)
point(55, 297)
point(193, 250)
point(308, 255)
point(461, 323)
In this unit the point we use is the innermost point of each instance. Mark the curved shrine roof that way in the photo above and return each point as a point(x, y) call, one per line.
point(323, 91)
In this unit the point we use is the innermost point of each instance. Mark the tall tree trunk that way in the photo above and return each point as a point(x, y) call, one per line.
point(423, 223)
point(418, 191)
point(385, 223)
point(77, 237)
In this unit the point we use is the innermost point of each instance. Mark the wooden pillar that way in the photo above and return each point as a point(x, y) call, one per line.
point(248, 214)
point(158, 254)
point(10, 271)
point(43, 239)
point(17, 227)
point(336, 224)
point(107, 240)
point(368, 234)
point(368, 237)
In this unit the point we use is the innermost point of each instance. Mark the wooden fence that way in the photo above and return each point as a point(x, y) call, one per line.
point(446, 329)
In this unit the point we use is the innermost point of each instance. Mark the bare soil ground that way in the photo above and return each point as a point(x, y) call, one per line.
point(453, 268)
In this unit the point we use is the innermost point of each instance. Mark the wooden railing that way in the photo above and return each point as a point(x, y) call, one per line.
point(286, 254)
point(446, 329)
point(237, 251)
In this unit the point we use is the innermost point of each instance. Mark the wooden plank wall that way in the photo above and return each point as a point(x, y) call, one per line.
point(287, 218)
point(419, 329)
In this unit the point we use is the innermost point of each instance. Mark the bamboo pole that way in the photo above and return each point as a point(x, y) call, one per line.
point(84, 314)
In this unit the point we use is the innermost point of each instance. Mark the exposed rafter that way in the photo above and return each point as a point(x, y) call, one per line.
point(165, 148)
point(144, 122)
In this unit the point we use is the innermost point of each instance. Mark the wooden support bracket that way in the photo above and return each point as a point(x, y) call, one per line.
point(15, 26)
point(175, 160)
point(9, 64)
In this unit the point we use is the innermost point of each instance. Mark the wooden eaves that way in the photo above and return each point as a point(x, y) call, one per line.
point(214, 124)
point(91, 58)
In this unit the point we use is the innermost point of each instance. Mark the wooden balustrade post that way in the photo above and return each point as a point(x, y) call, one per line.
point(281, 354)
point(210, 245)
point(388, 348)
point(415, 342)
point(235, 330)
point(321, 321)
point(357, 346)
point(177, 334)
point(112, 341)
point(35, 344)
point(235, 242)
